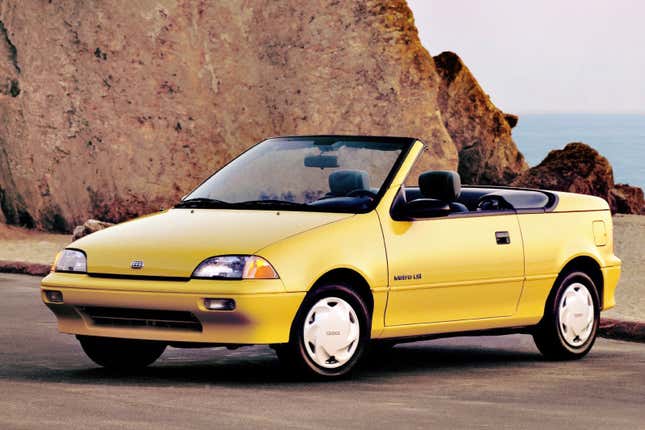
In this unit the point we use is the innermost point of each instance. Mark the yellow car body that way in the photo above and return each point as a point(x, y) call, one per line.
point(419, 277)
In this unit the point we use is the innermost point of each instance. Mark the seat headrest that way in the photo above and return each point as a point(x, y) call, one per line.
point(444, 185)
point(342, 182)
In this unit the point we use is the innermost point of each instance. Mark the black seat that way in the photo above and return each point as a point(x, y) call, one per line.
point(343, 182)
point(443, 185)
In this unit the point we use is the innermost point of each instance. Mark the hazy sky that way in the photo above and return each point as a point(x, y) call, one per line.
point(545, 55)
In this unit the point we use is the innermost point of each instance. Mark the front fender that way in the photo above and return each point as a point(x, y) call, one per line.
point(354, 243)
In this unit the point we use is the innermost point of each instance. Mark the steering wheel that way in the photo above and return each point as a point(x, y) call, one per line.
point(493, 203)
point(362, 193)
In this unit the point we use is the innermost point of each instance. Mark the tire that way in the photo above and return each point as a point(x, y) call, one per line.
point(329, 334)
point(121, 354)
point(570, 324)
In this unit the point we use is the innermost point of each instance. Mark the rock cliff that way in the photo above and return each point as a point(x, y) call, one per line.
point(480, 131)
point(122, 110)
point(110, 112)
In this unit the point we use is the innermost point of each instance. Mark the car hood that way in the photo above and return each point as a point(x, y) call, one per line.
point(173, 243)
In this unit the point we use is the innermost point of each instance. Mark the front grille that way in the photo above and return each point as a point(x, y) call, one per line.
point(137, 318)
point(139, 277)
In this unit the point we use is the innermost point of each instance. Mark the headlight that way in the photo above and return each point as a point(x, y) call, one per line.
point(70, 260)
point(235, 267)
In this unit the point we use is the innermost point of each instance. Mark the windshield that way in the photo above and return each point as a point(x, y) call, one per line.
point(305, 173)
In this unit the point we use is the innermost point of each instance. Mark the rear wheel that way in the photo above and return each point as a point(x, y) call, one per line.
point(329, 334)
point(121, 354)
point(570, 323)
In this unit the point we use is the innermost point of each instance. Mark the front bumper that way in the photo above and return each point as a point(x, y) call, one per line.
point(263, 314)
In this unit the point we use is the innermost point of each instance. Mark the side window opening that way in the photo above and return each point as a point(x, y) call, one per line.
point(422, 164)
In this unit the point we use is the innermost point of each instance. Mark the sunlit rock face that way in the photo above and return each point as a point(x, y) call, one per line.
point(110, 112)
point(480, 131)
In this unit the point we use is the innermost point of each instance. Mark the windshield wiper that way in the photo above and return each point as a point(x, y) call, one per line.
point(208, 203)
point(271, 202)
point(201, 202)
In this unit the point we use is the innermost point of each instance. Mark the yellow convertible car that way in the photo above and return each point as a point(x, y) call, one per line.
point(325, 246)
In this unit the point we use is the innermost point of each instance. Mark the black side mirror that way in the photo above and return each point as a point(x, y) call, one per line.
point(420, 208)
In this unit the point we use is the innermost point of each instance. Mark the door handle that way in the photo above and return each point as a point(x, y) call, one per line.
point(502, 238)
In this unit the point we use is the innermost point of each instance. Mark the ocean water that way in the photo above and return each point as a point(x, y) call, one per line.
point(620, 138)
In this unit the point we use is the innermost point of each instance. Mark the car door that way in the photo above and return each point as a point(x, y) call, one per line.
point(457, 267)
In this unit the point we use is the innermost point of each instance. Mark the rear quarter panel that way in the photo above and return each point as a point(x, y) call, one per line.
point(553, 239)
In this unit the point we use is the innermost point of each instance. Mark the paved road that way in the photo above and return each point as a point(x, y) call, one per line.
point(46, 382)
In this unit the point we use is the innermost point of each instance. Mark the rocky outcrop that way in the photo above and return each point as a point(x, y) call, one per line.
point(88, 227)
point(118, 110)
point(578, 168)
point(627, 199)
point(481, 132)
point(511, 119)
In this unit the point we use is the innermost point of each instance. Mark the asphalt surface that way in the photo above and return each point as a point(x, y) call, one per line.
point(485, 382)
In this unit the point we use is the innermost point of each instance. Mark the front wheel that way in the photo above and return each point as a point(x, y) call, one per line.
point(329, 334)
point(570, 323)
point(121, 354)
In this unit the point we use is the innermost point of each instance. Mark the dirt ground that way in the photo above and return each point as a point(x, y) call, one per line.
point(30, 246)
point(629, 246)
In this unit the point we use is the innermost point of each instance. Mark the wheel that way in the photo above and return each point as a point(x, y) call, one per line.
point(121, 354)
point(329, 333)
point(570, 323)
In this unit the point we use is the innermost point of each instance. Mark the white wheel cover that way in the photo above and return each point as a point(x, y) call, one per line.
point(576, 314)
point(331, 332)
